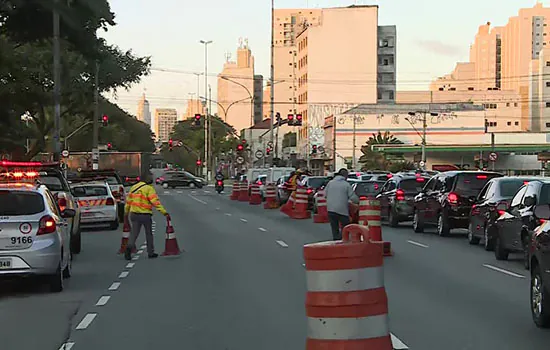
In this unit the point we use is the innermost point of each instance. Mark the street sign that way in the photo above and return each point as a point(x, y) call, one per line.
point(180, 144)
point(321, 149)
point(65, 153)
point(421, 163)
point(95, 154)
point(240, 160)
point(493, 156)
point(259, 154)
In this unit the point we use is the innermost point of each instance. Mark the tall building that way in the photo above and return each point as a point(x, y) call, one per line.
point(165, 119)
point(502, 58)
point(236, 89)
point(194, 106)
point(335, 68)
point(258, 98)
point(143, 111)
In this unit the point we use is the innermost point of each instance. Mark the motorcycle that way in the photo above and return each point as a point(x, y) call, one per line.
point(219, 186)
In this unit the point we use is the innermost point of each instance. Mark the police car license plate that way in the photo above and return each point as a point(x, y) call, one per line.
point(5, 264)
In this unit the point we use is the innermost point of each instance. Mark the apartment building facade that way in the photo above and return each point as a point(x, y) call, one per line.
point(165, 120)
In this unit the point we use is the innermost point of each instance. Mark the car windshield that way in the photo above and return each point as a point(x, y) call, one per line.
point(90, 191)
point(509, 187)
point(53, 183)
point(544, 195)
point(189, 175)
point(471, 184)
point(366, 188)
point(317, 182)
point(413, 185)
point(16, 203)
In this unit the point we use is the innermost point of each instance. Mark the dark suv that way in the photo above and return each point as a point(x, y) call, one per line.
point(540, 269)
point(447, 199)
point(397, 197)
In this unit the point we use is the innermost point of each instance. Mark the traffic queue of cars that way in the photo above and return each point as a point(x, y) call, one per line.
point(42, 214)
point(508, 214)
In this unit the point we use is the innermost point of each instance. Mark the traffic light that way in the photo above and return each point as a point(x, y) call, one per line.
point(109, 146)
point(243, 141)
point(170, 145)
point(298, 121)
point(105, 120)
point(278, 118)
point(291, 119)
point(198, 119)
point(314, 149)
point(199, 162)
point(268, 151)
point(240, 148)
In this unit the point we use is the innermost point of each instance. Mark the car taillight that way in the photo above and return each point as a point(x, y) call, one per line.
point(376, 187)
point(400, 195)
point(541, 221)
point(501, 207)
point(309, 191)
point(62, 202)
point(420, 179)
point(110, 201)
point(453, 198)
point(220, 182)
point(475, 210)
point(46, 225)
point(127, 179)
point(481, 176)
point(138, 178)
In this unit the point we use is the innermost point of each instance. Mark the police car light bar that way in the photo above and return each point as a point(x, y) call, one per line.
point(8, 163)
point(20, 174)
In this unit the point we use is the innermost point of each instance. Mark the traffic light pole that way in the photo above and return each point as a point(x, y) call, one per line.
point(57, 82)
point(272, 73)
point(95, 141)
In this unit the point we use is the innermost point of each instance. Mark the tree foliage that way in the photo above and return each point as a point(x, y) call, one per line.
point(26, 75)
point(224, 142)
point(373, 160)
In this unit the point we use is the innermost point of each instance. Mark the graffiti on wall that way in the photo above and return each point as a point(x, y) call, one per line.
point(316, 119)
point(417, 118)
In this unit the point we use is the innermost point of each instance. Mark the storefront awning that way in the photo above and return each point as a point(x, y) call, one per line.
point(509, 148)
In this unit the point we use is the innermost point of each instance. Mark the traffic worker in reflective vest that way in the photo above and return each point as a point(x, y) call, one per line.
point(292, 184)
point(139, 206)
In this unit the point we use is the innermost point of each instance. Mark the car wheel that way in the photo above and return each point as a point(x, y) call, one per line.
point(55, 281)
point(418, 224)
point(500, 252)
point(473, 240)
point(489, 242)
point(392, 218)
point(540, 300)
point(442, 225)
point(165, 185)
point(67, 271)
point(76, 242)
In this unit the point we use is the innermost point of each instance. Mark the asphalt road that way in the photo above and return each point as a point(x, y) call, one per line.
point(240, 286)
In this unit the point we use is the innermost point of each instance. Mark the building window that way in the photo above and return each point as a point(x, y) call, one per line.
point(509, 123)
point(516, 123)
point(547, 104)
point(383, 43)
point(391, 97)
point(548, 84)
point(470, 89)
point(515, 104)
point(548, 125)
point(507, 104)
point(547, 63)
point(441, 89)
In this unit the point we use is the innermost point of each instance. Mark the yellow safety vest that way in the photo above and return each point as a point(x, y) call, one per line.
point(141, 199)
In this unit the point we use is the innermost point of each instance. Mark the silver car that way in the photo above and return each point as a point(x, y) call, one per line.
point(97, 204)
point(34, 234)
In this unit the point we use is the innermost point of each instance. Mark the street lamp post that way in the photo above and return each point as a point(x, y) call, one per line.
point(207, 117)
point(249, 95)
point(57, 82)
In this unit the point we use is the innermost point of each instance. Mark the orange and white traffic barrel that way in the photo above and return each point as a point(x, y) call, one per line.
point(302, 199)
point(236, 190)
point(321, 217)
point(255, 195)
point(271, 197)
point(346, 301)
point(372, 218)
point(243, 193)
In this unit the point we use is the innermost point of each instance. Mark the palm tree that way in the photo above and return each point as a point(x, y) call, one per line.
point(374, 160)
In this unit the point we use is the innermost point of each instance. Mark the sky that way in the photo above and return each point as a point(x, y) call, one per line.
point(432, 35)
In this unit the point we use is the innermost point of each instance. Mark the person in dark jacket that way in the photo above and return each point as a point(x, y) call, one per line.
point(339, 193)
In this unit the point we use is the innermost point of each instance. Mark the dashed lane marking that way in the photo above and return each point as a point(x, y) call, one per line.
point(506, 272)
point(143, 246)
point(67, 346)
point(114, 286)
point(398, 344)
point(166, 192)
point(244, 220)
point(86, 321)
point(262, 229)
point(123, 274)
point(304, 265)
point(228, 214)
point(130, 265)
point(136, 257)
point(198, 200)
point(140, 251)
point(217, 208)
point(180, 192)
point(103, 300)
point(418, 244)
point(282, 244)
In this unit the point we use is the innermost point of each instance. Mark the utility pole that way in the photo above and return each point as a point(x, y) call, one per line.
point(207, 114)
point(57, 83)
point(493, 149)
point(95, 141)
point(272, 72)
point(210, 147)
point(424, 127)
point(354, 163)
point(334, 143)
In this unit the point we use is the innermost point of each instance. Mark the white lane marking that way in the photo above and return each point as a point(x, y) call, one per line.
point(67, 346)
point(198, 200)
point(304, 265)
point(418, 244)
point(244, 220)
point(398, 344)
point(228, 214)
point(498, 269)
point(217, 208)
point(262, 229)
point(103, 300)
point(140, 251)
point(193, 192)
point(143, 246)
point(166, 192)
point(130, 265)
point(206, 191)
point(86, 321)
point(135, 257)
point(114, 286)
point(180, 192)
point(282, 244)
point(123, 274)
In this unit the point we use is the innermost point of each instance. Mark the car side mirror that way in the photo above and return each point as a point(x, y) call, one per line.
point(68, 213)
point(542, 211)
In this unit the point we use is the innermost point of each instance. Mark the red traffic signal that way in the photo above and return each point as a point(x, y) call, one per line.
point(109, 146)
point(268, 151)
point(199, 162)
point(170, 144)
point(243, 141)
point(105, 120)
point(298, 121)
point(314, 149)
point(198, 119)
point(240, 148)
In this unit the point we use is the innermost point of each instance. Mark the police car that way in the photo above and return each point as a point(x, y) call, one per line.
point(97, 203)
point(35, 237)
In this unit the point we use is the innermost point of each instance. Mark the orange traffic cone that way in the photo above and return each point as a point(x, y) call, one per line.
point(125, 236)
point(322, 213)
point(171, 246)
point(300, 210)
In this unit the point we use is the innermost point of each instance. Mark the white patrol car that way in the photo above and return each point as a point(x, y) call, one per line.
point(35, 236)
point(97, 203)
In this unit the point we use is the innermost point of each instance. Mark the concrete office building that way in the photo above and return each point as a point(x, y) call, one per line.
point(143, 110)
point(165, 120)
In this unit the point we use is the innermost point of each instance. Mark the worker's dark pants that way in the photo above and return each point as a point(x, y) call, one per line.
point(136, 221)
point(335, 221)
